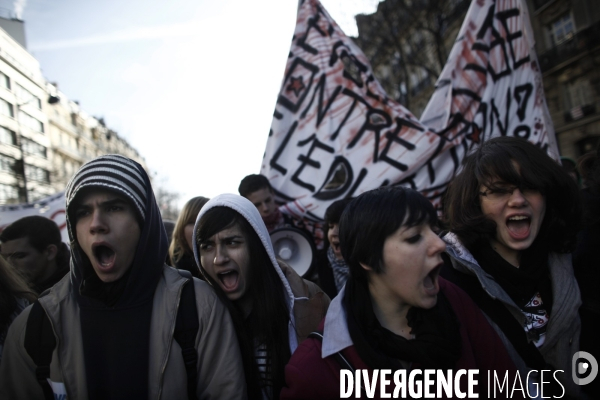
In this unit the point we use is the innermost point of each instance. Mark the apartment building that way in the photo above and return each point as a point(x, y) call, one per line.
point(403, 41)
point(24, 156)
point(44, 136)
point(567, 36)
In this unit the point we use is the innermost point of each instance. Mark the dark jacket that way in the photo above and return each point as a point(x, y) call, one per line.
point(124, 349)
point(564, 326)
point(187, 262)
point(63, 259)
point(314, 373)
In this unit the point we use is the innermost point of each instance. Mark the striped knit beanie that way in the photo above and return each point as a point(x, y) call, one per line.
point(112, 172)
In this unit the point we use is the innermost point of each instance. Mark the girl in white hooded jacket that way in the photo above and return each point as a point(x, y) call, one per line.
point(272, 307)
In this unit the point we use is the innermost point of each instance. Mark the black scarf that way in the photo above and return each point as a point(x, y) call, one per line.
point(521, 284)
point(437, 342)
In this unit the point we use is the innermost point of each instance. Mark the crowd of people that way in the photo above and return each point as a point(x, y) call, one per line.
point(502, 280)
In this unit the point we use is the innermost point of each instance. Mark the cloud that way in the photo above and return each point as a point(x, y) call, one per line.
point(134, 34)
point(19, 6)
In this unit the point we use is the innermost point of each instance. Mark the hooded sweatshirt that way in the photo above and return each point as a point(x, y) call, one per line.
point(306, 303)
point(245, 208)
point(116, 316)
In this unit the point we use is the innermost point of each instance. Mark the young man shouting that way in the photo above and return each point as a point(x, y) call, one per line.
point(113, 316)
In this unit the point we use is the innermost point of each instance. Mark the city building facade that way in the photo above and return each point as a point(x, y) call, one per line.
point(567, 36)
point(77, 137)
point(406, 39)
point(24, 142)
point(407, 43)
point(44, 136)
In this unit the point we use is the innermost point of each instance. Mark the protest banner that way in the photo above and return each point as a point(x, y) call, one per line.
point(335, 133)
point(52, 207)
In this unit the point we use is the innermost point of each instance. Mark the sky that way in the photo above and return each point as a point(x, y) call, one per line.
point(191, 84)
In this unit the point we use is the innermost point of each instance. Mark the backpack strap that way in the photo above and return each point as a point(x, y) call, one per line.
point(39, 344)
point(40, 341)
point(186, 330)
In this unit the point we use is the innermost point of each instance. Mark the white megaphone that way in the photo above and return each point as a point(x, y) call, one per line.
point(295, 248)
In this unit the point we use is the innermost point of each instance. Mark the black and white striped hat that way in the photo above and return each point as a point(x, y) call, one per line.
point(113, 172)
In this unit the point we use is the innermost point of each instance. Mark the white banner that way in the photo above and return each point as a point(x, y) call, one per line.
point(335, 133)
point(52, 207)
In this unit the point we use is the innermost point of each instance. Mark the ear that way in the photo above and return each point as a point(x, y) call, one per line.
point(366, 267)
point(51, 252)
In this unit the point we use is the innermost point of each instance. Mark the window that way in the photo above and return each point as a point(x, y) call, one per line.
point(6, 108)
point(30, 122)
point(34, 195)
point(7, 164)
point(31, 147)
point(4, 81)
point(7, 136)
point(577, 93)
point(37, 174)
point(26, 97)
point(562, 29)
point(8, 194)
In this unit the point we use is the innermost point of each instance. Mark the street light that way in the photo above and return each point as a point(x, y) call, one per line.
point(51, 100)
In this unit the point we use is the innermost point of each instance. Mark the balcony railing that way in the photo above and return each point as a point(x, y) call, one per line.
point(579, 112)
point(584, 40)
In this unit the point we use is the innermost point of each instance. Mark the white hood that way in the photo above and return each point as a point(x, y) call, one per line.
point(245, 208)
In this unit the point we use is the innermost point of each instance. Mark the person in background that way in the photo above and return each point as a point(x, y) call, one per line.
point(181, 251)
point(272, 307)
point(258, 190)
point(394, 312)
point(15, 295)
point(585, 261)
point(586, 166)
point(34, 246)
point(332, 269)
point(114, 316)
point(570, 166)
point(513, 214)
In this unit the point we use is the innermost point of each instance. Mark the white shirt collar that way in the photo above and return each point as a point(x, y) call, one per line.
point(336, 336)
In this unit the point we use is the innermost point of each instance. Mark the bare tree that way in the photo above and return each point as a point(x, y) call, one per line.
point(408, 42)
point(167, 201)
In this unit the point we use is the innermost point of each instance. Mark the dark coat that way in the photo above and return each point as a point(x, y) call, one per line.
point(308, 376)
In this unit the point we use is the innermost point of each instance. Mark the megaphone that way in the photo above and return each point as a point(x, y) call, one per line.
point(296, 248)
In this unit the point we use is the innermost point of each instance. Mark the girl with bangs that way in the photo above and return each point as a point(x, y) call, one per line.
point(513, 216)
point(395, 312)
point(272, 307)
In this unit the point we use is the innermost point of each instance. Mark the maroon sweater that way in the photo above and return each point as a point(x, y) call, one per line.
point(308, 376)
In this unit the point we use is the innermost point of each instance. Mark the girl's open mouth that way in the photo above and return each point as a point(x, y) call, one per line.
point(229, 279)
point(519, 226)
point(431, 281)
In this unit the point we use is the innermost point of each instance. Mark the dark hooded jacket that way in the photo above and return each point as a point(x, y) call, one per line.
point(115, 339)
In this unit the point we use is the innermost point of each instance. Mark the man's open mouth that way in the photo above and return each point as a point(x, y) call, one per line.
point(104, 255)
point(229, 279)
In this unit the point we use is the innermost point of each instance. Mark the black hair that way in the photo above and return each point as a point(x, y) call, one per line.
point(268, 321)
point(494, 162)
point(40, 231)
point(372, 217)
point(335, 210)
point(253, 183)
